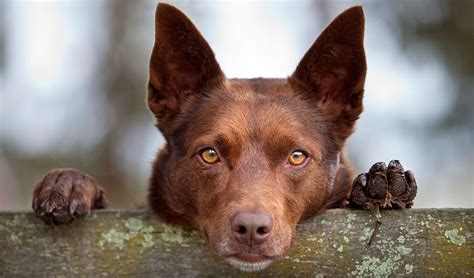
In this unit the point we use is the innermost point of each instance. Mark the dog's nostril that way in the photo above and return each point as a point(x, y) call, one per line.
point(242, 230)
point(261, 230)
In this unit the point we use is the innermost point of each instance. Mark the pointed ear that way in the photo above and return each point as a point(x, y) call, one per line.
point(332, 72)
point(181, 64)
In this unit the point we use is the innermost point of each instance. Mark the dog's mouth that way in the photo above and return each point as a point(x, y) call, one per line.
point(249, 262)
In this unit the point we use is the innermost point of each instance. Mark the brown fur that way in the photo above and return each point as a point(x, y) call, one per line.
point(254, 124)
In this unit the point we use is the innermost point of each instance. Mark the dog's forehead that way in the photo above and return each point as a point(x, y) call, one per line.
point(259, 106)
point(259, 85)
point(248, 111)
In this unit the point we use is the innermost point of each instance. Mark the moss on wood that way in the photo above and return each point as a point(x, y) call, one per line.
point(414, 242)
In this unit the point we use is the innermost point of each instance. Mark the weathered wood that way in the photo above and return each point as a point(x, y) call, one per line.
point(420, 242)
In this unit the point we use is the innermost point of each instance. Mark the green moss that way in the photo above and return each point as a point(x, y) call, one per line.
point(172, 234)
point(91, 216)
point(389, 262)
point(408, 268)
point(351, 217)
point(366, 233)
point(114, 238)
point(402, 250)
point(19, 220)
point(134, 225)
point(15, 227)
point(454, 237)
point(372, 266)
point(340, 249)
point(147, 241)
point(15, 239)
point(135, 229)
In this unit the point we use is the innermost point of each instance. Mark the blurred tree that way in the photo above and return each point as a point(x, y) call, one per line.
point(121, 77)
point(449, 32)
point(123, 89)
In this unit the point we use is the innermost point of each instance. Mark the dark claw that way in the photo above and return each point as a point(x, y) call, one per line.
point(35, 204)
point(358, 194)
point(82, 209)
point(49, 206)
point(377, 184)
point(378, 168)
point(396, 178)
point(101, 202)
point(411, 181)
point(62, 217)
point(412, 189)
point(72, 206)
point(45, 218)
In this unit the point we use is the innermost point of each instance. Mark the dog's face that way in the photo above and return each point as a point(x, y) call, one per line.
point(245, 160)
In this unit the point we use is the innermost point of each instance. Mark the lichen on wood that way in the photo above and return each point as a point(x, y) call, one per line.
point(427, 242)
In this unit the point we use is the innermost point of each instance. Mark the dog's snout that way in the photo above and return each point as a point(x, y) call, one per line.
point(251, 228)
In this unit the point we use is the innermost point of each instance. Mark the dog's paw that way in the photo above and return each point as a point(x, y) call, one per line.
point(64, 194)
point(384, 187)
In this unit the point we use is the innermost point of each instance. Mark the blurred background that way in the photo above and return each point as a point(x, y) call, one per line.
point(73, 80)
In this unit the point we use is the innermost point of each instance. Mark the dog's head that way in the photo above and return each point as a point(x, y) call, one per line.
point(246, 159)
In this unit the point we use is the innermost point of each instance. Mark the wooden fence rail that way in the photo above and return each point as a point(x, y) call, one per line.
point(417, 242)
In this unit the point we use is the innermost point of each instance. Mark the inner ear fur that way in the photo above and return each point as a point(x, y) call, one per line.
point(332, 72)
point(182, 63)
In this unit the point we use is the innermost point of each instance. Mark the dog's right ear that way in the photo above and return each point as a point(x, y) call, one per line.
point(182, 63)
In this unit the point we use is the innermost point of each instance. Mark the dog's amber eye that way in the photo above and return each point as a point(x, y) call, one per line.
point(210, 156)
point(297, 158)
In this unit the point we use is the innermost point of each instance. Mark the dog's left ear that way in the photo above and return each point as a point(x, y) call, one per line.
point(182, 64)
point(332, 72)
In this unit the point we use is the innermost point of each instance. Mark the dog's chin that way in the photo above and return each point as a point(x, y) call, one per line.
point(249, 262)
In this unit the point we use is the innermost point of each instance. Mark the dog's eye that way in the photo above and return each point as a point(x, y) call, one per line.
point(210, 156)
point(297, 158)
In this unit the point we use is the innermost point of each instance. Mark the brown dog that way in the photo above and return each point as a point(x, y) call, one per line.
point(246, 159)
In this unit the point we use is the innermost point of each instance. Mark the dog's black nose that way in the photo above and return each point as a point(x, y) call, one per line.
point(251, 228)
